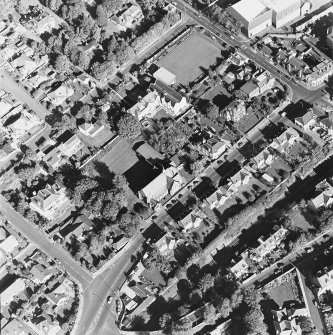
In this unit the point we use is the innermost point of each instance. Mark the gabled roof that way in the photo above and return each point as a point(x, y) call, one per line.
point(167, 92)
point(306, 118)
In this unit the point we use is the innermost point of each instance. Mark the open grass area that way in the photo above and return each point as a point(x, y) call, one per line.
point(191, 58)
point(282, 293)
point(299, 220)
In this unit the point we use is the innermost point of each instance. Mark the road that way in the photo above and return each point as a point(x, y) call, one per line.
point(35, 236)
point(299, 91)
point(8, 84)
point(96, 312)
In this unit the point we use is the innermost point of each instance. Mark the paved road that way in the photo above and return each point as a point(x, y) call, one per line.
point(8, 84)
point(42, 242)
point(96, 313)
point(299, 91)
point(97, 317)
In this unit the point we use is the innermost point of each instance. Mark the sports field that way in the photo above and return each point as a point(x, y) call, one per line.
point(192, 56)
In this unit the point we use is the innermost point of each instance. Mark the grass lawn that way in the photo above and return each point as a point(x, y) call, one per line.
point(120, 158)
point(154, 275)
point(190, 58)
point(299, 220)
point(282, 293)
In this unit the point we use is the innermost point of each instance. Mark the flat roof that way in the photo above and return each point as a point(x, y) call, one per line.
point(249, 9)
point(279, 5)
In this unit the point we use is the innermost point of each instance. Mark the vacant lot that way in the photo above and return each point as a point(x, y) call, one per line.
point(190, 58)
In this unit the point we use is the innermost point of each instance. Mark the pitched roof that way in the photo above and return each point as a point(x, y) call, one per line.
point(306, 118)
point(149, 153)
point(167, 92)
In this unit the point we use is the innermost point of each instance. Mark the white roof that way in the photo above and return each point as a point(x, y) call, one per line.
point(279, 5)
point(249, 9)
point(14, 289)
point(164, 75)
point(9, 244)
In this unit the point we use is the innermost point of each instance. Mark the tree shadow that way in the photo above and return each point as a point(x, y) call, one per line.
point(104, 172)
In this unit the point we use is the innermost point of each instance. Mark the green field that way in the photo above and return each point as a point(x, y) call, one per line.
point(190, 58)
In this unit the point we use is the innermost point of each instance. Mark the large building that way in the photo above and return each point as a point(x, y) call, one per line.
point(255, 16)
point(258, 15)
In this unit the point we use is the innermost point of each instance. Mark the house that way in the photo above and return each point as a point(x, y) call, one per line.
point(71, 145)
point(324, 198)
point(192, 220)
point(262, 160)
point(238, 59)
point(150, 154)
point(46, 327)
point(250, 89)
point(67, 148)
point(77, 227)
point(25, 65)
point(62, 293)
point(268, 245)
point(218, 198)
point(285, 140)
point(324, 280)
point(41, 273)
point(165, 76)
point(267, 51)
point(5, 106)
point(9, 244)
point(166, 244)
point(39, 78)
point(242, 177)
point(91, 129)
point(90, 47)
point(129, 18)
point(319, 74)
point(286, 320)
point(265, 81)
point(48, 200)
point(58, 96)
point(43, 23)
point(15, 327)
point(235, 110)
point(3, 233)
point(215, 147)
point(11, 291)
point(168, 182)
point(306, 120)
point(242, 267)
point(21, 126)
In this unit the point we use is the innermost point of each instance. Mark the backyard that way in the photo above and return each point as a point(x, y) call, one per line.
point(191, 58)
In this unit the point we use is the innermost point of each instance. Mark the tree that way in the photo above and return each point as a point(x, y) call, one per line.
point(66, 122)
point(128, 126)
point(205, 282)
point(101, 16)
point(213, 112)
point(210, 314)
point(61, 64)
point(53, 4)
point(83, 60)
point(165, 321)
point(82, 189)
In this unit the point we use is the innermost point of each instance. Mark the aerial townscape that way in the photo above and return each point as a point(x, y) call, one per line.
point(166, 167)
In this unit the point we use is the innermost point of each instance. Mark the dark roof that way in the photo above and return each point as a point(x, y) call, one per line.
point(266, 50)
point(77, 226)
point(164, 90)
